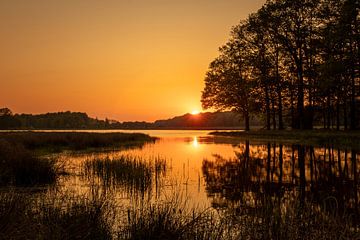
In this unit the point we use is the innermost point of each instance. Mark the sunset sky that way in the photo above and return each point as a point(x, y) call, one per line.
point(125, 60)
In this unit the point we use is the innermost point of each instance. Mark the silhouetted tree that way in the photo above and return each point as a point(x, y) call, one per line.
point(297, 57)
point(228, 85)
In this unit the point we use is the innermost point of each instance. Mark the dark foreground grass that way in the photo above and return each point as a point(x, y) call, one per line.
point(19, 166)
point(342, 139)
point(75, 140)
point(294, 220)
point(172, 220)
point(70, 217)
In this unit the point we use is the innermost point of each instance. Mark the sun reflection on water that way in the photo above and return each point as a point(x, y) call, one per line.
point(195, 142)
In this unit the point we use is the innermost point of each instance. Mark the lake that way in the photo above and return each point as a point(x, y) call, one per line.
point(218, 172)
point(188, 184)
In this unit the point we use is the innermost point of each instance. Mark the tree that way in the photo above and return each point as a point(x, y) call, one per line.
point(291, 22)
point(5, 112)
point(227, 83)
point(300, 57)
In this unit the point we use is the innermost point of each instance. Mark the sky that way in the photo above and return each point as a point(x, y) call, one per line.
point(122, 59)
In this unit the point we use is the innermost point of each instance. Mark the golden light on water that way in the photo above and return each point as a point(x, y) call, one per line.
point(195, 142)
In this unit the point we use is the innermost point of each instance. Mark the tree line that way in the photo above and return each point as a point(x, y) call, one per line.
point(79, 120)
point(58, 120)
point(297, 62)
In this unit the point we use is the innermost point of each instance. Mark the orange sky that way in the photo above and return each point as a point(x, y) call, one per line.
point(122, 59)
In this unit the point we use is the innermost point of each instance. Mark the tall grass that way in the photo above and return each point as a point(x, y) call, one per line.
point(98, 217)
point(171, 219)
point(56, 217)
point(130, 172)
point(18, 166)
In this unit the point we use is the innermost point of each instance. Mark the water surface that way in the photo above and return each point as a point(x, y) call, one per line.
point(219, 172)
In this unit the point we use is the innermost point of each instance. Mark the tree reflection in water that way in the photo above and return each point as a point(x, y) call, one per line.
point(264, 174)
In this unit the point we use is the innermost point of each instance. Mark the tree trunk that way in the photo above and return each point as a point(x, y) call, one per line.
point(337, 115)
point(247, 121)
point(300, 100)
point(345, 115)
point(292, 111)
point(328, 113)
point(273, 113)
point(267, 107)
point(281, 123)
point(353, 104)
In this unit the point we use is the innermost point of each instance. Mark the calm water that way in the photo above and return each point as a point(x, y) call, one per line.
point(222, 171)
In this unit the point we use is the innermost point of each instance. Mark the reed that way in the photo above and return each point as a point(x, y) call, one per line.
point(54, 217)
point(130, 172)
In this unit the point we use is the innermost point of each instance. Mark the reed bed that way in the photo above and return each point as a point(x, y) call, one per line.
point(55, 217)
point(170, 220)
point(130, 172)
point(75, 140)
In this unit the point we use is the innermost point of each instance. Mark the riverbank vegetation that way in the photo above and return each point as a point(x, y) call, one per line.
point(98, 217)
point(19, 166)
point(21, 153)
point(342, 139)
point(74, 140)
point(296, 62)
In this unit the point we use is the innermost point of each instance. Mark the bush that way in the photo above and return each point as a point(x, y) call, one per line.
point(19, 166)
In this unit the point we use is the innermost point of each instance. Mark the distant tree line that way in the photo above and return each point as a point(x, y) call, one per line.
point(59, 120)
point(297, 62)
point(78, 120)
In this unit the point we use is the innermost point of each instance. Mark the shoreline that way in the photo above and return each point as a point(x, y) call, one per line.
point(341, 139)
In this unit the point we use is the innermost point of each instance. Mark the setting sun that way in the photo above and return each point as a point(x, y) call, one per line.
point(195, 112)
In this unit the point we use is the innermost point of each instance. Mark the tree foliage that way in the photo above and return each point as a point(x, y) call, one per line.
point(295, 61)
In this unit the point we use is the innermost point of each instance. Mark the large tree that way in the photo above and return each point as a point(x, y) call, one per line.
point(297, 57)
point(227, 82)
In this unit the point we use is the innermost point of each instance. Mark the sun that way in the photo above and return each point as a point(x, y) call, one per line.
point(195, 112)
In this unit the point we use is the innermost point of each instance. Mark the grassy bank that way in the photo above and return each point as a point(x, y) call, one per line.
point(19, 166)
point(22, 164)
point(74, 140)
point(341, 139)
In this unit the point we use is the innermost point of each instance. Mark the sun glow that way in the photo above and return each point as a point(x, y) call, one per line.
point(195, 112)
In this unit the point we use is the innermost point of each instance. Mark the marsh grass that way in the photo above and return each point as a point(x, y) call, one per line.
point(57, 141)
point(171, 219)
point(55, 217)
point(96, 216)
point(81, 217)
point(130, 172)
point(21, 163)
point(19, 166)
